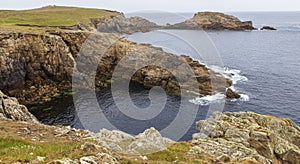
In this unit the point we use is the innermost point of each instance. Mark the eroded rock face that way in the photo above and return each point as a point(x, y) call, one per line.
point(35, 65)
point(171, 72)
point(247, 135)
point(27, 59)
point(11, 109)
point(213, 21)
point(121, 24)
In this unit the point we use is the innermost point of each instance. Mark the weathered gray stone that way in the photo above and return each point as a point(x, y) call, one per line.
point(11, 109)
point(247, 135)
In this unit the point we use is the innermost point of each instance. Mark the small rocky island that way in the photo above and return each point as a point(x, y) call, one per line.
point(36, 65)
point(213, 21)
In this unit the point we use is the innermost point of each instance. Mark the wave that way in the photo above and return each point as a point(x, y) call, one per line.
point(207, 100)
point(234, 76)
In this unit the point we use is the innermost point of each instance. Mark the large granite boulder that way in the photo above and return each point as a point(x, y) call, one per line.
point(246, 135)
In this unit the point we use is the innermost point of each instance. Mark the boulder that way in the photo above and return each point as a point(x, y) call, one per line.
point(231, 94)
point(147, 142)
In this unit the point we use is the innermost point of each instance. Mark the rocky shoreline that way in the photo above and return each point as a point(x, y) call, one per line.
point(36, 67)
point(239, 137)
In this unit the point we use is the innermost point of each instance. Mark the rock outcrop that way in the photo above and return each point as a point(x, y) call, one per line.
point(247, 135)
point(149, 141)
point(35, 65)
point(213, 21)
point(11, 109)
point(121, 24)
point(268, 28)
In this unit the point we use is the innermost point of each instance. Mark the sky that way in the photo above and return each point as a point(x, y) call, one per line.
point(127, 6)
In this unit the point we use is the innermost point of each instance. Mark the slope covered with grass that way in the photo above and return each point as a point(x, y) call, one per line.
point(50, 16)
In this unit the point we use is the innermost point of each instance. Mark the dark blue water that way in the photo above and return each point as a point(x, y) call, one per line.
point(269, 59)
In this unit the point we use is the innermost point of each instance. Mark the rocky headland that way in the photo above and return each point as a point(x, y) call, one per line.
point(200, 21)
point(37, 63)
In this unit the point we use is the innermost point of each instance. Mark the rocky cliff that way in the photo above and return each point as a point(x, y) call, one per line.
point(34, 65)
point(213, 21)
point(121, 24)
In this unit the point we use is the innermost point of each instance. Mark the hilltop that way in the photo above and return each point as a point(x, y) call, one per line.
point(50, 17)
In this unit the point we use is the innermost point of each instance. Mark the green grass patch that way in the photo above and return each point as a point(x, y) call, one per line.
point(50, 16)
point(12, 150)
point(177, 151)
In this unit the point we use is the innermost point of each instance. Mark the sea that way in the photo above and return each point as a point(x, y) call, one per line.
point(263, 65)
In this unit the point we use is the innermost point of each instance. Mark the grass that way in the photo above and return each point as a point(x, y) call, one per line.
point(12, 150)
point(50, 16)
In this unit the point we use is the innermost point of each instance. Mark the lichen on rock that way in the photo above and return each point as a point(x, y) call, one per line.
point(241, 135)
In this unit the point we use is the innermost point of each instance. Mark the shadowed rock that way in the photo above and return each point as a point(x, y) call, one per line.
point(11, 109)
point(268, 28)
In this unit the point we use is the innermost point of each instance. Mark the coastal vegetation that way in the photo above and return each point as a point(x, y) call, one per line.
point(49, 17)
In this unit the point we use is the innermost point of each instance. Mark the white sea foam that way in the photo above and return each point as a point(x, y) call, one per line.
point(206, 100)
point(244, 97)
point(234, 76)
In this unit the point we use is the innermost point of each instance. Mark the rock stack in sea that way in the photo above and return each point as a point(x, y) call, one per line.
point(213, 21)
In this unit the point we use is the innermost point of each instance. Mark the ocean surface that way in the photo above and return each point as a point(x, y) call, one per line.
point(265, 66)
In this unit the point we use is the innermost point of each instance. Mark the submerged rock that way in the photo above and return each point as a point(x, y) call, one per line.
point(268, 28)
point(246, 135)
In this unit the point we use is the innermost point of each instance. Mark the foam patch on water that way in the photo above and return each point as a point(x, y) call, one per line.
point(234, 76)
point(206, 100)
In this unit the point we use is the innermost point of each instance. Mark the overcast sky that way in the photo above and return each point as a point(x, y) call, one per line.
point(164, 5)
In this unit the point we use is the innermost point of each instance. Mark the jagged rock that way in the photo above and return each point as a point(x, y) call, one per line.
point(213, 21)
point(231, 94)
point(90, 147)
point(268, 28)
point(11, 109)
point(35, 65)
point(241, 135)
point(148, 141)
point(121, 24)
